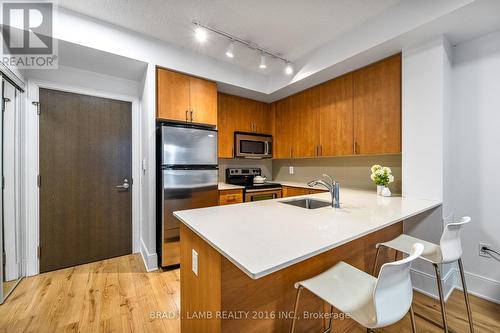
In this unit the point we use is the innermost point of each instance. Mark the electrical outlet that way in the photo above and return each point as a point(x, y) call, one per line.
point(194, 262)
point(290, 170)
point(484, 253)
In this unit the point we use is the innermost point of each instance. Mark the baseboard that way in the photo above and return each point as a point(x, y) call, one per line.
point(150, 259)
point(425, 283)
point(481, 287)
point(31, 267)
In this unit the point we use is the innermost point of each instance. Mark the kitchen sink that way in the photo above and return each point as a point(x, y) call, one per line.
point(307, 203)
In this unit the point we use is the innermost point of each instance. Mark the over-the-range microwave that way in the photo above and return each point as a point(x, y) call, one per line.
point(252, 145)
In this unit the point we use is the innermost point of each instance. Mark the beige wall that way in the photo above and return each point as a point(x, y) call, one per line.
point(349, 171)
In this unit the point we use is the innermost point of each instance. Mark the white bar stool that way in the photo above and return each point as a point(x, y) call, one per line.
point(371, 302)
point(449, 250)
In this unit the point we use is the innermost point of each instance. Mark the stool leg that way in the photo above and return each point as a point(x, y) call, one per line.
point(376, 259)
point(295, 308)
point(441, 297)
point(466, 295)
point(412, 318)
point(329, 329)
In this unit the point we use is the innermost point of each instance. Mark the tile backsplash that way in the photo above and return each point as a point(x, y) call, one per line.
point(349, 171)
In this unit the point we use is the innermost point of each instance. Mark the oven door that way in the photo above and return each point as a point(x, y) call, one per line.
point(259, 195)
point(253, 146)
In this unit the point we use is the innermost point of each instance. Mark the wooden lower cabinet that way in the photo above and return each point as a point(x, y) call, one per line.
point(228, 197)
point(221, 296)
point(291, 191)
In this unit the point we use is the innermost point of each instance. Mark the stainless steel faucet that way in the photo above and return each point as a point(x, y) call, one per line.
point(333, 187)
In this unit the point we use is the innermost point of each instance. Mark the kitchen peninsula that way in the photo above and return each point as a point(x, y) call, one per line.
point(239, 262)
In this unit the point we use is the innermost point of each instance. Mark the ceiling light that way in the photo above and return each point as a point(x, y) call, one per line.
point(262, 61)
point(230, 50)
point(200, 34)
point(288, 69)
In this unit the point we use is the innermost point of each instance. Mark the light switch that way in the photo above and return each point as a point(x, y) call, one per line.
point(194, 262)
point(290, 169)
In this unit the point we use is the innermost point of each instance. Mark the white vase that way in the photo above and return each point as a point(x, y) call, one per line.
point(386, 192)
point(379, 189)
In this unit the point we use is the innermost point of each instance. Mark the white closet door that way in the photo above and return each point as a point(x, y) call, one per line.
point(10, 173)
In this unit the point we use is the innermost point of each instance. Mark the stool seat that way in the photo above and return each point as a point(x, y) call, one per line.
point(403, 243)
point(348, 289)
point(372, 302)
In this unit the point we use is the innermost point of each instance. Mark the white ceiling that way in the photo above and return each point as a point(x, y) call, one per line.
point(292, 28)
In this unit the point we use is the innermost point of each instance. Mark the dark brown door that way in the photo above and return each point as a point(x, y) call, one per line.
point(85, 153)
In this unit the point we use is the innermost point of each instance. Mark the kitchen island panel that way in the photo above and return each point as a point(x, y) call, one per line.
point(264, 304)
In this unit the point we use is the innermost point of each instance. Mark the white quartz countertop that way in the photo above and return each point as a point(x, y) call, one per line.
point(225, 186)
point(265, 236)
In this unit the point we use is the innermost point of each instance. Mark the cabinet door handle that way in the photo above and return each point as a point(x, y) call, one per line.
point(291, 152)
point(320, 150)
point(192, 112)
point(355, 148)
point(187, 115)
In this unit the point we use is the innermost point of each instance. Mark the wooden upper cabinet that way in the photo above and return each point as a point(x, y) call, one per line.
point(185, 98)
point(172, 95)
point(238, 114)
point(283, 129)
point(304, 119)
point(203, 101)
point(336, 117)
point(377, 107)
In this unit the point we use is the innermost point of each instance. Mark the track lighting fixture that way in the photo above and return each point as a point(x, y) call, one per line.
point(201, 35)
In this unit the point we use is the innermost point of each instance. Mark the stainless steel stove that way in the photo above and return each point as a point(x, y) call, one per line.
point(253, 192)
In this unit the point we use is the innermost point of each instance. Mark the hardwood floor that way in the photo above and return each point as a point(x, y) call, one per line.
point(114, 295)
point(118, 295)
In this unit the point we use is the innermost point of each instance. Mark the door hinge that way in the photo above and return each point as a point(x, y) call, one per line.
point(39, 252)
point(39, 181)
point(37, 104)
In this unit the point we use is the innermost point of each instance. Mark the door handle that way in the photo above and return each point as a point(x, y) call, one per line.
point(125, 184)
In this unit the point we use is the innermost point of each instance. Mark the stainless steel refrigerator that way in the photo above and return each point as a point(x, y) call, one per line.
point(187, 179)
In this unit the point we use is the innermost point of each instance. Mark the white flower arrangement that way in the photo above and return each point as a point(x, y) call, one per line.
point(381, 175)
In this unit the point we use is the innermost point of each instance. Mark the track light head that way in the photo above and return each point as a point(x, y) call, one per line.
point(200, 34)
point(230, 50)
point(263, 61)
